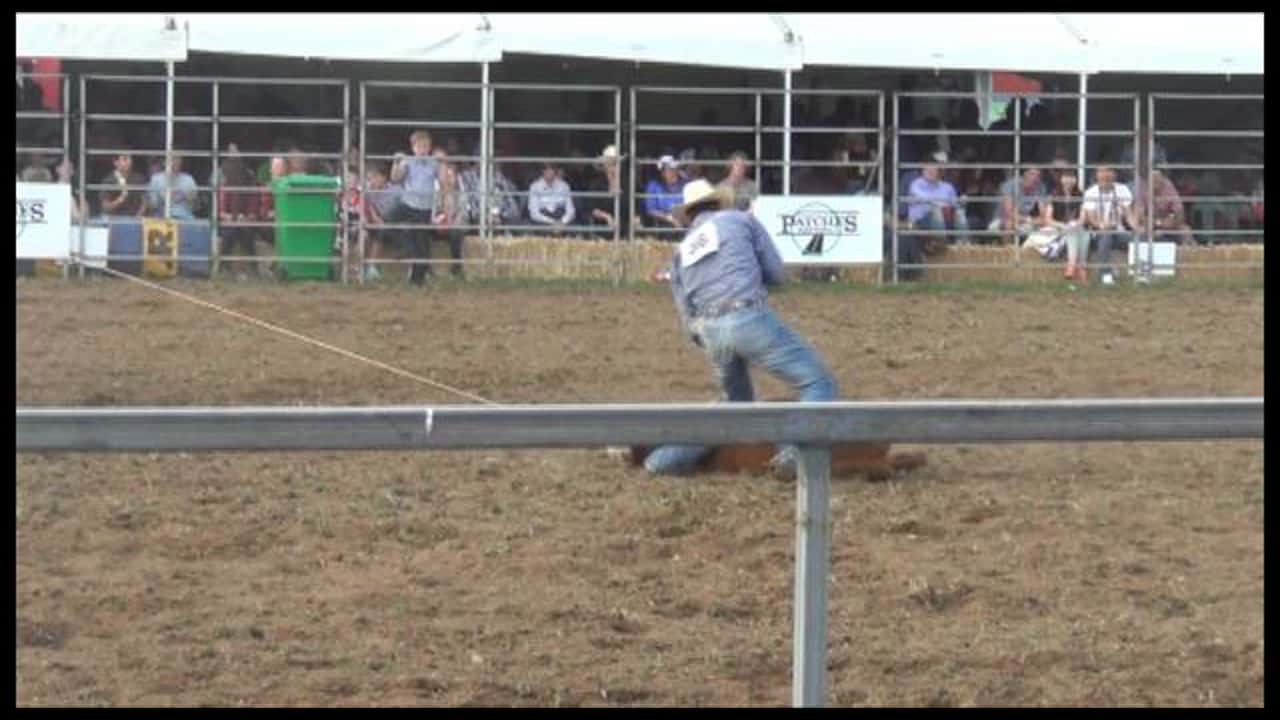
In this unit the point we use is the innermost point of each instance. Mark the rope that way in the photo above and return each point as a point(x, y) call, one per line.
point(303, 338)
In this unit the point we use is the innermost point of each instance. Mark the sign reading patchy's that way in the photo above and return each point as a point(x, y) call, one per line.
point(44, 220)
point(824, 229)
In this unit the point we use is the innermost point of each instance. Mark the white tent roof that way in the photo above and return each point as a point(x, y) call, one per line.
point(740, 40)
point(1028, 42)
point(395, 37)
point(99, 36)
point(1215, 43)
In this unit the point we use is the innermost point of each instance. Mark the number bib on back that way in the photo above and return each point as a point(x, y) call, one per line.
point(699, 244)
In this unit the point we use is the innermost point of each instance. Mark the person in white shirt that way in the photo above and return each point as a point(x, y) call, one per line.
point(550, 200)
point(1108, 213)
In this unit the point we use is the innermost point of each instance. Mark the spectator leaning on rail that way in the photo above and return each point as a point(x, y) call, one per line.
point(663, 194)
point(417, 178)
point(239, 203)
point(550, 200)
point(1108, 213)
point(718, 279)
point(380, 200)
point(599, 210)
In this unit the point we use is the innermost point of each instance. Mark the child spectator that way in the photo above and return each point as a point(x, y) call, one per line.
point(449, 212)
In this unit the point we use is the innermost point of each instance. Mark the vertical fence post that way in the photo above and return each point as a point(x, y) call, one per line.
point(897, 161)
point(486, 155)
point(631, 174)
point(1146, 267)
point(364, 184)
point(1017, 178)
point(215, 254)
point(880, 170)
point(786, 134)
point(813, 543)
point(84, 167)
point(345, 227)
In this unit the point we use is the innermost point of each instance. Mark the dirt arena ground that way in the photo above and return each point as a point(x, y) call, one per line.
point(1042, 574)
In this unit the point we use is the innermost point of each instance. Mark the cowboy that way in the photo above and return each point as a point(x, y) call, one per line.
point(718, 279)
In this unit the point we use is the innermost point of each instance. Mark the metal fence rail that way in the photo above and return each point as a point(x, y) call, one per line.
point(812, 425)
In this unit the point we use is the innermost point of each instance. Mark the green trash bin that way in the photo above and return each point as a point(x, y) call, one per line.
point(297, 200)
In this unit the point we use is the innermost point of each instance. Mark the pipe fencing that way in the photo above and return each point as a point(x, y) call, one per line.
point(813, 426)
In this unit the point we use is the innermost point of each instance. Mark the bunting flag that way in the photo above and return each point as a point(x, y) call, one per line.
point(995, 92)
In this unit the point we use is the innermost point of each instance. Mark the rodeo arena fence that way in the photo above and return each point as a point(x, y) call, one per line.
point(813, 426)
point(346, 119)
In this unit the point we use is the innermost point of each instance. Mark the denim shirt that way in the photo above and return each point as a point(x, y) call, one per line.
point(740, 267)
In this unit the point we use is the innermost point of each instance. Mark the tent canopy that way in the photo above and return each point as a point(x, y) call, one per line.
point(1028, 42)
point(386, 37)
point(99, 36)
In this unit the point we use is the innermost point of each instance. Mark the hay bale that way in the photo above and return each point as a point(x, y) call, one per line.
point(532, 256)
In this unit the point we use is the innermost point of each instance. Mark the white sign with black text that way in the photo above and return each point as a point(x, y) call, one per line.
point(44, 221)
point(824, 229)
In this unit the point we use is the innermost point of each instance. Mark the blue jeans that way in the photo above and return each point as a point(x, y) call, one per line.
point(1105, 240)
point(733, 342)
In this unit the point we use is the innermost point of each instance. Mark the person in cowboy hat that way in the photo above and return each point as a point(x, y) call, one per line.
point(719, 275)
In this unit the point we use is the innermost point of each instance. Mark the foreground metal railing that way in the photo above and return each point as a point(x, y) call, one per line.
point(811, 425)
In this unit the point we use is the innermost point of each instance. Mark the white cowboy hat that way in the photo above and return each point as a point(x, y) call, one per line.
point(700, 192)
point(667, 161)
point(610, 153)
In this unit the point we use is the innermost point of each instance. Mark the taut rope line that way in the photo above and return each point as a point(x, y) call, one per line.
point(303, 338)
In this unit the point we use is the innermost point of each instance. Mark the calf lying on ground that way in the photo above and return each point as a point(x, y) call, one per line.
point(872, 460)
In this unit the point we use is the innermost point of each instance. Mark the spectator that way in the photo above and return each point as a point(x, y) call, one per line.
point(450, 211)
point(239, 202)
point(932, 205)
point(297, 160)
point(863, 176)
point(503, 201)
point(66, 171)
point(600, 210)
point(1022, 205)
point(1170, 217)
point(126, 202)
point(37, 170)
point(1142, 154)
point(279, 149)
point(1066, 218)
point(182, 192)
point(741, 188)
point(690, 169)
point(1205, 212)
point(663, 194)
point(550, 200)
point(1108, 212)
point(380, 200)
point(826, 180)
point(417, 176)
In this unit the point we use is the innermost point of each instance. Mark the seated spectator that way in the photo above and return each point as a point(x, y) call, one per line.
point(37, 170)
point(738, 184)
point(1028, 193)
point(663, 194)
point(1170, 217)
point(600, 210)
point(1065, 218)
point(126, 200)
point(932, 205)
point(380, 198)
point(182, 193)
point(550, 201)
point(1205, 213)
point(449, 212)
point(239, 203)
point(1108, 213)
point(828, 179)
point(503, 201)
point(863, 177)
